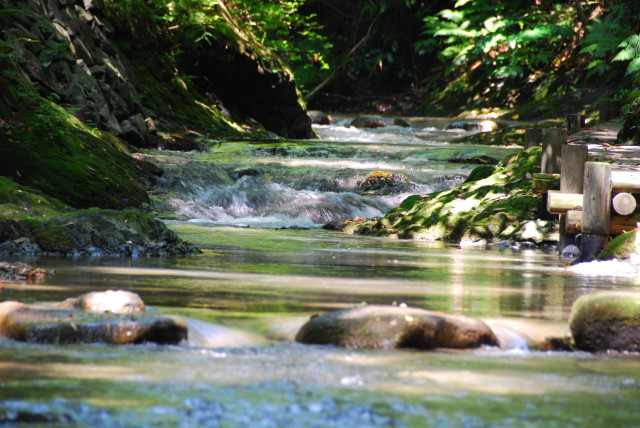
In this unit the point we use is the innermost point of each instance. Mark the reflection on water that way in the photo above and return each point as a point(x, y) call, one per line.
point(269, 282)
point(250, 290)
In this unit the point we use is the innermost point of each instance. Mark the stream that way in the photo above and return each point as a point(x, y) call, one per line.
point(255, 208)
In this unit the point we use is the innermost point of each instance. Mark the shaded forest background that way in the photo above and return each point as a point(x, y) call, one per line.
point(531, 58)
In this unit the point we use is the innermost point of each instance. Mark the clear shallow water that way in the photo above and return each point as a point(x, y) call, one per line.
point(269, 282)
point(254, 287)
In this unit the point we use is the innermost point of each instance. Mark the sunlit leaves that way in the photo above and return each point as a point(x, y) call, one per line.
point(630, 52)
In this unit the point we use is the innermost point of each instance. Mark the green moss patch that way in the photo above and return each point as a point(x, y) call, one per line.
point(495, 203)
point(50, 150)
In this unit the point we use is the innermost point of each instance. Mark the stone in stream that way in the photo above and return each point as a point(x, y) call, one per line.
point(22, 272)
point(606, 321)
point(475, 125)
point(365, 122)
point(392, 327)
point(67, 322)
point(110, 301)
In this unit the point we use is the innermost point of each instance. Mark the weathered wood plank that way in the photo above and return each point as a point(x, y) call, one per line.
point(619, 224)
point(544, 182)
point(597, 198)
point(552, 141)
point(559, 202)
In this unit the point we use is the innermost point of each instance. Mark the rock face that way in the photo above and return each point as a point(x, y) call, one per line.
point(126, 233)
point(61, 326)
point(606, 321)
point(391, 327)
point(70, 49)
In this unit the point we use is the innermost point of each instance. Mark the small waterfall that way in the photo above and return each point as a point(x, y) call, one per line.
point(308, 183)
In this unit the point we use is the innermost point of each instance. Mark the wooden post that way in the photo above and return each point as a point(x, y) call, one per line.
point(572, 162)
point(609, 109)
point(532, 137)
point(624, 203)
point(575, 122)
point(552, 141)
point(596, 214)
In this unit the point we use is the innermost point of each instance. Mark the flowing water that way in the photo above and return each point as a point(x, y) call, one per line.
point(252, 287)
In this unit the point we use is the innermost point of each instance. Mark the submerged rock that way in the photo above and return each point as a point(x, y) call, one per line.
point(391, 327)
point(61, 326)
point(606, 321)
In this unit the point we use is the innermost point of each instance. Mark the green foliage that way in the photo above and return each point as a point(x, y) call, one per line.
point(630, 51)
point(294, 37)
point(602, 40)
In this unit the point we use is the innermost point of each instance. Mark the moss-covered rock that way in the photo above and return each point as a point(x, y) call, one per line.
point(623, 247)
point(391, 327)
point(34, 223)
point(496, 206)
point(606, 321)
point(43, 146)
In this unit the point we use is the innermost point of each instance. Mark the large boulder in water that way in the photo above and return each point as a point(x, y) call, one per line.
point(606, 321)
point(391, 327)
point(59, 325)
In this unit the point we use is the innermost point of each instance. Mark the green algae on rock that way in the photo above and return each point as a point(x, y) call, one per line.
point(623, 247)
point(391, 327)
point(496, 206)
point(606, 321)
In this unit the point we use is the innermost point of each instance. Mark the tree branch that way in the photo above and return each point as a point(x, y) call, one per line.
point(335, 71)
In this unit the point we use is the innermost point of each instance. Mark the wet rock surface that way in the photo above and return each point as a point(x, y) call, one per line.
point(46, 324)
point(392, 327)
point(369, 122)
point(606, 321)
point(110, 301)
point(384, 182)
point(92, 233)
point(22, 272)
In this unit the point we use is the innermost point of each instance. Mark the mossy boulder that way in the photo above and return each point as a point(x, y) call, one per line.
point(391, 327)
point(497, 203)
point(31, 323)
point(606, 321)
point(623, 247)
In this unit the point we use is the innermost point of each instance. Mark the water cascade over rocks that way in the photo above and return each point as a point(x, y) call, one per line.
point(347, 173)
